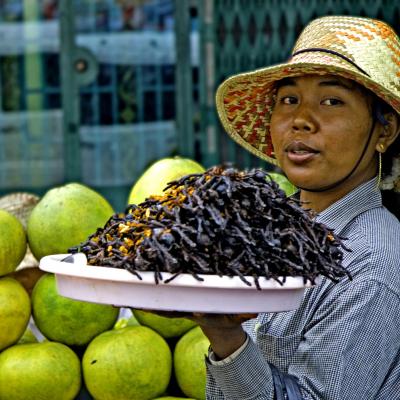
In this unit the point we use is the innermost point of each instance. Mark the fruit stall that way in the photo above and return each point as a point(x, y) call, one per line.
point(88, 349)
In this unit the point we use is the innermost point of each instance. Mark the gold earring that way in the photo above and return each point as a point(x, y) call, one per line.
point(382, 148)
point(378, 183)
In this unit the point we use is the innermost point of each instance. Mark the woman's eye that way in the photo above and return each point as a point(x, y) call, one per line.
point(288, 100)
point(331, 102)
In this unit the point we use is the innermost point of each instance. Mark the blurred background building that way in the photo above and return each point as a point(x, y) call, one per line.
point(95, 90)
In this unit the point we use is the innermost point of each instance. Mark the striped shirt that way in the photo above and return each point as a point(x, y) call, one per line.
point(343, 342)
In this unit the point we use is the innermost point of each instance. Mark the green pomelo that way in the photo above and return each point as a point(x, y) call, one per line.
point(15, 311)
point(154, 180)
point(189, 364)
point(45, 371)
point(166, 327)
point(283, 183)
point(68, 321)
point(65, 217)
point(12, 242)
point(129, 363)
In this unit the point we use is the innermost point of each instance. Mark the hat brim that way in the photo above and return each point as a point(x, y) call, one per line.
point(244, 102)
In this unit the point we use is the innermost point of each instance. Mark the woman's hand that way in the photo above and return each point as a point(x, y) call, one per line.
point(224, 331)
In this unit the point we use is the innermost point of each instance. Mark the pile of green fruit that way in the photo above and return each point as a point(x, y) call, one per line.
point(83, 350)
point(86, 349)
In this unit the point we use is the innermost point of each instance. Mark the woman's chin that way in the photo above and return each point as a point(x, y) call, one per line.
point(301, 180)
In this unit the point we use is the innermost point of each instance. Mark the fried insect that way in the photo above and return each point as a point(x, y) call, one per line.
point(223, 222)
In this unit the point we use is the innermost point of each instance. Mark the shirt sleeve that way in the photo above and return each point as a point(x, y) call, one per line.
point(245, 376)
point(345, 353)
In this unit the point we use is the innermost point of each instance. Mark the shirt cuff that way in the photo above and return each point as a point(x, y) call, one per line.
point(230, 358)
point(247, 376)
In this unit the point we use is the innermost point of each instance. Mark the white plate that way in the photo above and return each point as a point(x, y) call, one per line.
point(215, 294)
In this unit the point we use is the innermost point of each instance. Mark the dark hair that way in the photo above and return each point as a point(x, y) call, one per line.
point(379, 109)
point(390, 199)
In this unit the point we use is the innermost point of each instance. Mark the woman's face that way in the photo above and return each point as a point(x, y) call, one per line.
point(319, 128)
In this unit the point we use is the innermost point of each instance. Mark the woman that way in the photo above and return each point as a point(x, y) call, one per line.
point(327, 117)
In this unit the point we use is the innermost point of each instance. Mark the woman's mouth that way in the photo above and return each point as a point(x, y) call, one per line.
point(298, 152)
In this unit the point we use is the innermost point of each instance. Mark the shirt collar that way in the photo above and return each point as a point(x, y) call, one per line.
point(362, 198)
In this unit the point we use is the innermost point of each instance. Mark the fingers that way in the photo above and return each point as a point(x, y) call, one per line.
point(222, 321)
point(171, 314)
point(248, 316)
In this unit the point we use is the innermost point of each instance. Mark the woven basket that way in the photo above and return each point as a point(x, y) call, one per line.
point(20, 205)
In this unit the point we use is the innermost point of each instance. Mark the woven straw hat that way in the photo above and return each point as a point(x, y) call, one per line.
point(361, 49)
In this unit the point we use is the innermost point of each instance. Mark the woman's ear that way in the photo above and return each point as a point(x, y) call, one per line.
point(389, 133)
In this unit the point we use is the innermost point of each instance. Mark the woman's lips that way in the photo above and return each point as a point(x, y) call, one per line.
point(298, 152)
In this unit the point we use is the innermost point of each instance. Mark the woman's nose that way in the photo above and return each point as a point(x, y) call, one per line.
point(303, 121)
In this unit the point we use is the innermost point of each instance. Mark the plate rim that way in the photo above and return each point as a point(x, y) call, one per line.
point(54, 264)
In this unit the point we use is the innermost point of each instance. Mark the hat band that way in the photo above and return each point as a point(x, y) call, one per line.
point(330, 52)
